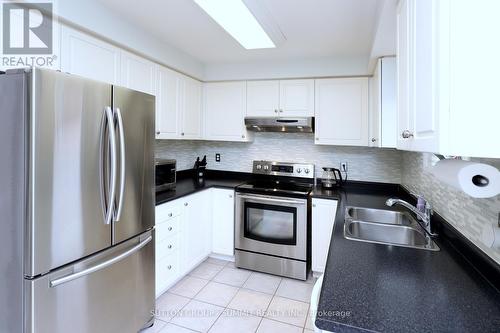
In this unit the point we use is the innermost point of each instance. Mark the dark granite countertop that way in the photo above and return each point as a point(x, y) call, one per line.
point(395, 289)
point(186, 184)
point(381, 288)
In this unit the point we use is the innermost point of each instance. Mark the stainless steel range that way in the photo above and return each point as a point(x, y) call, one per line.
point(271, 231)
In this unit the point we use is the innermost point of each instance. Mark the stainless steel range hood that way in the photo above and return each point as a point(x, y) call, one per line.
point(295, 125)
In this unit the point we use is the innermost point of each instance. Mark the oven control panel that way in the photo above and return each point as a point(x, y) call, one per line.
point(302, 170)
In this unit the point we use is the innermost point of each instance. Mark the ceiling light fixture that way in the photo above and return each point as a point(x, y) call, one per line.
point(235, 17)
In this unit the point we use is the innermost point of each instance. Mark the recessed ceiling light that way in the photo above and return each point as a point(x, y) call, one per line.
point(238, 21)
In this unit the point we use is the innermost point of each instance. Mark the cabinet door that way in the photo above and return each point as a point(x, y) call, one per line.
point(342, 111)
point(403, 73)
point(323, 218)
point(223, 222)
point(388, 109)
point(263, 98)
point(191, 109)
point(474, 115)
point(424, 121)
point(197, 229)
point(89, 57)
point(375, 107)
point(224, 106)
point(137, 73)
point(296, 98)
point(418, 117)
point(168, 104)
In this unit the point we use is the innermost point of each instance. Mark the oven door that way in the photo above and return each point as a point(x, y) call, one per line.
point(271, 225)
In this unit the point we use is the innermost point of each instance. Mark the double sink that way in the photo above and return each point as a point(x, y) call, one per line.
point(386, 227)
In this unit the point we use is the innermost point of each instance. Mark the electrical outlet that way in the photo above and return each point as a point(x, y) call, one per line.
point(217, 157)
point(343, 166)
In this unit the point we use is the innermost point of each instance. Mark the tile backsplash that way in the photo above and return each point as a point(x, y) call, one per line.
point(467, 214)
point(368, 164)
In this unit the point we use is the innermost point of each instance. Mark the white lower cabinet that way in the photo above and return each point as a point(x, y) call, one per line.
point(197, 229)
point(323, 218)
point(183, 237)
point(168, 246)
point(223, 222)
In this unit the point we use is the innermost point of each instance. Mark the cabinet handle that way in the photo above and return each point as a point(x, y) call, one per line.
point(281, 110)
point(275, 111)
point(407, 134)
point(169, 228)
point(169, 266)
point(230, 195)
point(158, 133)
point(169, 214)
point(243, 136)
point(185, 204)
point(373, 139)
point(317, 139)
point(170, 246)
point(182, 133)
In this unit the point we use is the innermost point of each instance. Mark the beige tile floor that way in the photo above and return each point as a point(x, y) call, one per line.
point(217, 297)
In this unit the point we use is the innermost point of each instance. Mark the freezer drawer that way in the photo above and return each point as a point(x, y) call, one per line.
point(110, 292)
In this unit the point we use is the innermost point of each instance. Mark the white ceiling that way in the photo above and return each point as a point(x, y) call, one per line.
point(312, 28)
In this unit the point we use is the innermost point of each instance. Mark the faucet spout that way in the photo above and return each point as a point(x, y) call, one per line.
point(424, 216)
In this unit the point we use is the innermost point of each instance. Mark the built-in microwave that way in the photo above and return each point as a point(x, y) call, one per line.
point(165, 170)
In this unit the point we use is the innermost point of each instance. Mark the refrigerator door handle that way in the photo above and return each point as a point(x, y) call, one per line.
point(112, 185)
point(102, 265)
point(121, 137)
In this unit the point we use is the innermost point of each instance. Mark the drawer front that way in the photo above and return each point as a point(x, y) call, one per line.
point(167, 229)
point(167, 211)
point(167, 247)
point(167, 271)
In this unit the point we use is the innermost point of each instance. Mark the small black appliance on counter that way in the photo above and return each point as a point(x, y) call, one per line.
point(165, 174)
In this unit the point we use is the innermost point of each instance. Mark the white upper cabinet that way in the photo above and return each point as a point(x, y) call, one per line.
point(341, 111)
point(446, 96)
point(418, 125)
point(224, 106)
point(284, 98)
point(191, 116)
point(89, 57)
point(178, 106)
point(383, 115)
point(296, 98)
point(138, 73)
point(168, 104)
point(263, 98)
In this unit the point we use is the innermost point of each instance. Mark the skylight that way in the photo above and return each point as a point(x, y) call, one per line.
point(235, 17)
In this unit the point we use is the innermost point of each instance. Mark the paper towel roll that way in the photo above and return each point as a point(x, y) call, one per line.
point(475, 179)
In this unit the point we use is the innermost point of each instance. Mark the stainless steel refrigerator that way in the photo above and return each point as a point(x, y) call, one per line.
point(77, 204)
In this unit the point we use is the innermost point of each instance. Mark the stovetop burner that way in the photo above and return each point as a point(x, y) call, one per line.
point(278, 178)
point(276, 187)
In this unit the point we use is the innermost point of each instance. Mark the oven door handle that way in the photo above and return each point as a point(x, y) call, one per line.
point(271, 199)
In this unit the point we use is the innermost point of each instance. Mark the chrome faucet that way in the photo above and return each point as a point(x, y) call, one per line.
point(423, 214)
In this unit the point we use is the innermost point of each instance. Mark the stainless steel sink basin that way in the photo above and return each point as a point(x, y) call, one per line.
point(386, 227)
point(378, 216)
